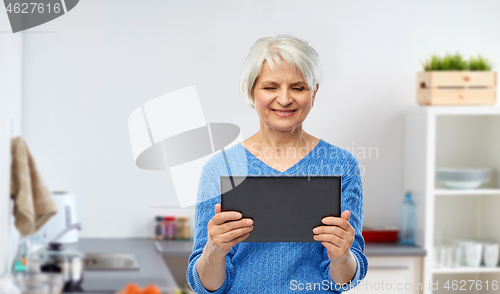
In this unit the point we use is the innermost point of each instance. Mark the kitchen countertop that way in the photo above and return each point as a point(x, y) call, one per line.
point(393, 249)
point(184, 248)
point(152, 268)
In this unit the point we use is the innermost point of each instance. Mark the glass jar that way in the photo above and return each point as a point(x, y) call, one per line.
point(159, 228)
point(183, 228)
point(169, 227)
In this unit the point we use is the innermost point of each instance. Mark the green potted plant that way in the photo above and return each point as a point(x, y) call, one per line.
point(452, 80)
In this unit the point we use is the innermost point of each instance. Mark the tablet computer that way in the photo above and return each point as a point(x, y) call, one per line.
point(283, 208)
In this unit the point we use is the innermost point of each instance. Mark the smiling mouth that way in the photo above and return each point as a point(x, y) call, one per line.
point(283, 111)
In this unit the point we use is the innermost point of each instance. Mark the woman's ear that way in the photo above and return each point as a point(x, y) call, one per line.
point(314, 95)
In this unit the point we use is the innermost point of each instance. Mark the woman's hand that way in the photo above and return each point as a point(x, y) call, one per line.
point(337, 236)
point(227, 229)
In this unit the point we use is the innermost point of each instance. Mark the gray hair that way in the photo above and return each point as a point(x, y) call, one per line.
point(297, 53)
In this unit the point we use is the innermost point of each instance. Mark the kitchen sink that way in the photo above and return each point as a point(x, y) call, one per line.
point(110, 262)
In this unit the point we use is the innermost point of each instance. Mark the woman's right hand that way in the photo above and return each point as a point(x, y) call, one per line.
point(227, 229)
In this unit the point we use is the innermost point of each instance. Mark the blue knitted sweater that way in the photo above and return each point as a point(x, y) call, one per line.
point(278, 267)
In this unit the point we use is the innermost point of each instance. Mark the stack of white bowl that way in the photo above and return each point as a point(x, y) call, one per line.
point(463, 178)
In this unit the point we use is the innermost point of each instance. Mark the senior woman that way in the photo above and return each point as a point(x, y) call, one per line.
point(279, 79)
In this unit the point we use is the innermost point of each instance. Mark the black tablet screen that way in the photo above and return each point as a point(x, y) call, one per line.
point(283, 208)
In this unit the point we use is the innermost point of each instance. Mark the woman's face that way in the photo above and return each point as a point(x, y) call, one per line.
point(282, 98)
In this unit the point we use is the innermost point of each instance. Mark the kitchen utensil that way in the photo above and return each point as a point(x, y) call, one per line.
point(491, 254)
point(65, 216)
point(57, 260)
point(54, 259)
point(462, 178)
point(46, 283)
point(473, 253)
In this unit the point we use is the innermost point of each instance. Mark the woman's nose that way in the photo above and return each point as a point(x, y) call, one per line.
point(284, 98)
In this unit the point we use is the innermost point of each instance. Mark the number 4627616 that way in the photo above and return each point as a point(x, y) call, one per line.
point(475, 284)
point(33, 8)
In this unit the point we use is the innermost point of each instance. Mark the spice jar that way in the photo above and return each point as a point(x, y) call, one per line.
point(169, 227)
point(159, 228)
point(183, 228)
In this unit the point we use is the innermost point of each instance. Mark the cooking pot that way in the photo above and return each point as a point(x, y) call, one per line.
point(55, 259)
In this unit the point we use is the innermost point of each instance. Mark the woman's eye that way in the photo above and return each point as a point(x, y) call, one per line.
point(298, 89)
point(269, 88)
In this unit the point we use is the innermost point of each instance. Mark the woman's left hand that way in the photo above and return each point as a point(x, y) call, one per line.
point(337, 236)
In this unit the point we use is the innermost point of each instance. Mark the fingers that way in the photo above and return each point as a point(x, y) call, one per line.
point(229, 236)
point(346, 215)
point(228, 231)
point(333, 230)
point(337, 233)
point(227, 228)
point(225, 216)
point(338, 221)
point(332, 238)
point(330, 247)
point(335, 246)
point(245, 222)
point(237, 240)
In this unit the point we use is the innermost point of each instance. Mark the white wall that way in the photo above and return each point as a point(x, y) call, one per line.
point(10, 125)
point(86, 71)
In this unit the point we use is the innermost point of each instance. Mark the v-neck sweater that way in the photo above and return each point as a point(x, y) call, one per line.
point(278, 267)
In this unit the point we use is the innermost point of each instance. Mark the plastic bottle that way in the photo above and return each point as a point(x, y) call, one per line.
point(20, 264)
point(408, 222)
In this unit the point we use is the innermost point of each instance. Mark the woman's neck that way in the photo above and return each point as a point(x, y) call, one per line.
point(274, 139)
point(293, 144)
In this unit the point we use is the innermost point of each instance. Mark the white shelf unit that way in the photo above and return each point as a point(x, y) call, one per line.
point(451, 192)
point(456, 137)
point(466, 270)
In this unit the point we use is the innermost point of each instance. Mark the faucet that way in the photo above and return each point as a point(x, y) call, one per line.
point(66, 230)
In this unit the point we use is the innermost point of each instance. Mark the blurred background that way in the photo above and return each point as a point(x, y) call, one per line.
point(69, 85)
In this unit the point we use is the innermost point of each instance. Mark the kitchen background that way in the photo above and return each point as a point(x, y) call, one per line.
point(68, 87)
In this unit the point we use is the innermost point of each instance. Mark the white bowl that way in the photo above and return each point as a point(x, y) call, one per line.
point(463, 178)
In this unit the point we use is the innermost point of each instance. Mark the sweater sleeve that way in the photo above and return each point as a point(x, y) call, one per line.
point(352, 200)
point(208, 196)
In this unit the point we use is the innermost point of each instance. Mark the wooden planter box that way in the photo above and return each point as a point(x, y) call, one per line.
point(456, 88)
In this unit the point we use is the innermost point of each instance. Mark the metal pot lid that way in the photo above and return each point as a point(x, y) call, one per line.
point(56, 251)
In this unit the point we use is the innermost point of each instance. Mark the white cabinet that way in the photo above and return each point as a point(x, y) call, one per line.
point(396, 274)
point(456, 137)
